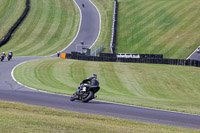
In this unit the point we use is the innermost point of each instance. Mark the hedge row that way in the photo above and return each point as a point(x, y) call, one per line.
point(14, 27)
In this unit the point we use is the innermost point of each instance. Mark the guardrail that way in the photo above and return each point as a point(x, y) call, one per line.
point(97, 51)
point(7, 37)
point(113, 41)
point(144, 58)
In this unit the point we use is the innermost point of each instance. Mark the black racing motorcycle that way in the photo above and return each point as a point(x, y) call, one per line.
point(9, 57)
point(85, 93)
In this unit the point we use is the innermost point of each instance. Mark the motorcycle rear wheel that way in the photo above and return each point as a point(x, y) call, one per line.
point(89, 97)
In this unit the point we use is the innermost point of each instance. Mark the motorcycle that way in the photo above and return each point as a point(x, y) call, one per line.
point(86, 93)
point(9, 58)
point(2, 58)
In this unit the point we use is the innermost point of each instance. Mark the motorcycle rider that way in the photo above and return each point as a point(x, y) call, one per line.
point(93, 82)
point(10, 54)
point(3, 55)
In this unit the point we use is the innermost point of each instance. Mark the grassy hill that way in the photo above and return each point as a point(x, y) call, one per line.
point(10, 11)
point(50, 26)
point(169, 27)
point(158, 86)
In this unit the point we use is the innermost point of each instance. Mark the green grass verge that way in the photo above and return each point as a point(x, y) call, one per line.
point(105, 8)
point(170, 28)
point(10, 11)
point(50, 26)
point(159, 86)
point(16, 117)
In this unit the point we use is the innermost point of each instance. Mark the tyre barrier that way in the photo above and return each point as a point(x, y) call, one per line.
point(151, 56)
point(7, 37)
point(113, 41)
point(107, 57)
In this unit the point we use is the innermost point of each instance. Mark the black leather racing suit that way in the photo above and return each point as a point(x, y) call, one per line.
point(93, 82)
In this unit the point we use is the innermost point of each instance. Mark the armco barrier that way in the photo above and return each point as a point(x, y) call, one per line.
point(112, 58)
point(14, 27)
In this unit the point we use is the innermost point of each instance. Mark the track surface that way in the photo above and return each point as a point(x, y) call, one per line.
point(11, 91)
point(194, 56)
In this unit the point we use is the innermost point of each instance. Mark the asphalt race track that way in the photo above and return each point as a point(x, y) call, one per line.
point(194, 56)
point(12, 91)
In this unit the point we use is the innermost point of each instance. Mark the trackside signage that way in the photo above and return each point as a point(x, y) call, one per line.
point(128, 56)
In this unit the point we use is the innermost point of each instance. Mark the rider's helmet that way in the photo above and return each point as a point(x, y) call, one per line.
point(95, 76)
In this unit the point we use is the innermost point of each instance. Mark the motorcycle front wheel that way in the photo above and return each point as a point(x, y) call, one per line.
point(73, 97)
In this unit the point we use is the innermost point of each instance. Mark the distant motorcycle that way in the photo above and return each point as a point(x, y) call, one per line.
point(9, 57)
point(2, 58)
point(86, 93)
